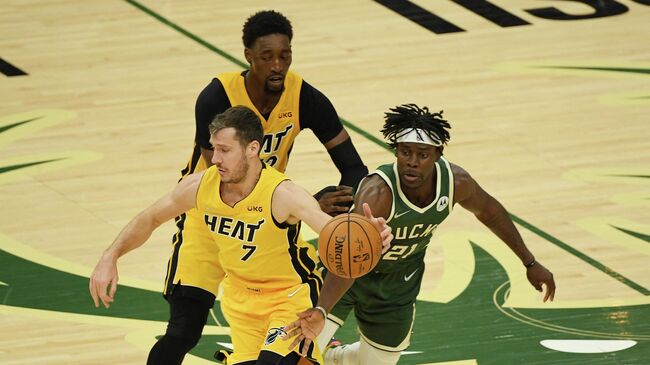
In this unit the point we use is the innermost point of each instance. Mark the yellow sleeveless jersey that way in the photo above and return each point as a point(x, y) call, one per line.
point(255, 250)
point(283, 125)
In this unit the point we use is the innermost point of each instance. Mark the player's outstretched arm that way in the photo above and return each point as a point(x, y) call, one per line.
point(470, 195)
point(104, 278)
point(290, 204)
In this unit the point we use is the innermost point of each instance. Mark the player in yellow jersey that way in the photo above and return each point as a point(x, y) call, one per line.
point(286, 105)
point(253, 213)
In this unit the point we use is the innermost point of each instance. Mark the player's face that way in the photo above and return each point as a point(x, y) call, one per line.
point(229, 156)
point(270, 59)
point(415, 164)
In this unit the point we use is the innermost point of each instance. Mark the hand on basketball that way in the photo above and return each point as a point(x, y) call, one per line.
point(104, 275)
point(336, 202)
point(538, 275)
point(307, 327)
point(382, 227)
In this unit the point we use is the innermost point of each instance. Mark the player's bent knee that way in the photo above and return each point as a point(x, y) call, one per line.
point(372, 355)
point(183, 343)
point(185, 335)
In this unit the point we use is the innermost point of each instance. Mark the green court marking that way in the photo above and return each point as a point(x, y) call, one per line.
point(31, 285)
point(581, 255)
point(13, 125)
point(640, 176)
point(608, 69)
point(638, 235)
point(4, 169)
point(369, 136)
point(187, 33)
point(381, 143)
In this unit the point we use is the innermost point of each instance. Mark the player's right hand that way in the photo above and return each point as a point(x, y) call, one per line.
point(103, 282)
point(384, 229)
point(337, 201)
point(539, 275)
point(306, 328)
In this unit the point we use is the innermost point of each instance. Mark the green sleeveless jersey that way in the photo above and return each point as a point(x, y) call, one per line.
point(413, 226)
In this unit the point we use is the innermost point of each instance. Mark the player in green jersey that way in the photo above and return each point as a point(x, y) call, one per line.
point(414, 194)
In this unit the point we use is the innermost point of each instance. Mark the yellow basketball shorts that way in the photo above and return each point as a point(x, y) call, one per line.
point(257, 318)
point(195, 257)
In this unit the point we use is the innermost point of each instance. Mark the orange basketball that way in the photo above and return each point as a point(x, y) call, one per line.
point(349, 245)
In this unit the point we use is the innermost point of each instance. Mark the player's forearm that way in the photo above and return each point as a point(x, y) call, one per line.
point(349, 163)
point(134, 235)
point(333, 289)
point(499, 223)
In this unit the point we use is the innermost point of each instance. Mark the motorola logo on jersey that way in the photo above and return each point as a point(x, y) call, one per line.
point(232, 227)
point(273, 335)
point(442, 203)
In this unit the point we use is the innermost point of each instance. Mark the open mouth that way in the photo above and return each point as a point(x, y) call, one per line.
point(410, 176)
point(276, 80)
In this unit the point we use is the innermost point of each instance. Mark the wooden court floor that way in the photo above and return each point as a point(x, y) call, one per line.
point(549, 103)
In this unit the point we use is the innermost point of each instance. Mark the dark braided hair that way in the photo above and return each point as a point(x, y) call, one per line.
point(264, 23)
point(401, 119)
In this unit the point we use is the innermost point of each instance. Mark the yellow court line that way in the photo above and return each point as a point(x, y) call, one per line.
point(55, 161)
point(45, 118)
point(603, 226)
point(26, 252)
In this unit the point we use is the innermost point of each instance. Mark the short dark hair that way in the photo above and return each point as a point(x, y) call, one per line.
point(246, 123)
point(410, 116)
point(263, 23)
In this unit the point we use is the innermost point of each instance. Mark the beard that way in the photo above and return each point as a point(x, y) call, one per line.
point(239, 174)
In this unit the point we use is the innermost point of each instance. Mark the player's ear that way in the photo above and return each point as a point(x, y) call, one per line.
point(248, 55)
point(253, 148)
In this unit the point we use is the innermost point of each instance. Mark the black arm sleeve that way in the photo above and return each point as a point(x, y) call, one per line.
point(212, 100)
point(318, 114)
point(349, 163)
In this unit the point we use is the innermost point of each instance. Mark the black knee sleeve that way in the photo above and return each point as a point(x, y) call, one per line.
point(188, 315)
point(170, 350)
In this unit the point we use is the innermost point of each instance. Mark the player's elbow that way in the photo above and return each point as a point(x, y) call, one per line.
point(147, 219)
point(353, 174)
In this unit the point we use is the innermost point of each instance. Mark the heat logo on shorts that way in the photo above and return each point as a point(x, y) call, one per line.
point(273, 335)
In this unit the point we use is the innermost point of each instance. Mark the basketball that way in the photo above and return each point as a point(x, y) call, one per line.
point(349, 245)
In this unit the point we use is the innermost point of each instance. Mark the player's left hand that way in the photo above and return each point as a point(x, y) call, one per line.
point(335, 200)
point(538, 275)
point(307, 327)
point(382, 227)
